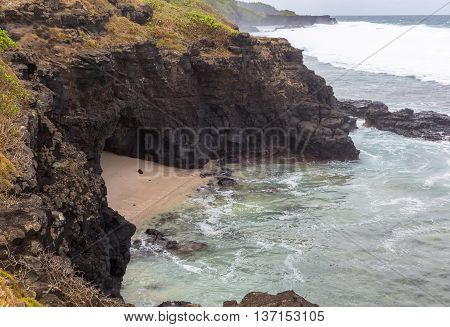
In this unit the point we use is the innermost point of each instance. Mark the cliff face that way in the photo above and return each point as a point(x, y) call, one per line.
point(61, 207)
point(103, 99)
point(248, 15)
point(298, 21)
point(95, 100)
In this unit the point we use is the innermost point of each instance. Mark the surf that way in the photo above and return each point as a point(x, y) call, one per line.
point(414, 51)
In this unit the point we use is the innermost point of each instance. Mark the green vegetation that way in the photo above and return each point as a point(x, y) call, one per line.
point(5, 41)
point(12, 295)
point(12, 97)
point(287, 13)
point(178, 23)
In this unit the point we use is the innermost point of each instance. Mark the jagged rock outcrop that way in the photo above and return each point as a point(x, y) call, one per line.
point(428, 125)
point(62, 208)
point(69, 15)
point(258, 299)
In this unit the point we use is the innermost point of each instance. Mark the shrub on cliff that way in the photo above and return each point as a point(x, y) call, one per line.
point(12, 97)
point(5, 41)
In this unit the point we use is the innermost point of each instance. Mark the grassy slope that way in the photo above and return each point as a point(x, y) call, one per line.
point(12, 97)
point(177, 23)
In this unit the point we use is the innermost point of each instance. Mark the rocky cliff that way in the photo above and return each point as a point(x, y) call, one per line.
point(297, 20)
point(248, 15)
point(89, 99)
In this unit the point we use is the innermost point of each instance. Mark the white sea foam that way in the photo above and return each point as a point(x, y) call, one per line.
point(422, 51)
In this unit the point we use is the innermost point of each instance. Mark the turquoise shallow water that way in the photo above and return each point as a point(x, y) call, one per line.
point(374, 232)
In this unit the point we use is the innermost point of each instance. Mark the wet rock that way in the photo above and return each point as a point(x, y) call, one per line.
point(155, 235)
point(208, 174)
point(257, 299)
point(179, 304)
point(360, 108)
point(226, 172)
point(428, 125)
point(226, 182)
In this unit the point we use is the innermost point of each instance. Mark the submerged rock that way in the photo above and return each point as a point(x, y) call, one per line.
point(193, 247)
point(258, 299)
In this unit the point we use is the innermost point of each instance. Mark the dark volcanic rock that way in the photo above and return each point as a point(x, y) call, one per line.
point(102, 100)
point(360, 108)
point(226, 182)
point(428, 125)
point(178, 304)
point(257, 299)
point(64, 210)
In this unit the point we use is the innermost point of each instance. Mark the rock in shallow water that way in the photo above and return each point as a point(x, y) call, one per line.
point(255, 299)
point(258, 299)
point(226, 182)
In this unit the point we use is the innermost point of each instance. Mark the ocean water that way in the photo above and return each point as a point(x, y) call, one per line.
point(373, 232)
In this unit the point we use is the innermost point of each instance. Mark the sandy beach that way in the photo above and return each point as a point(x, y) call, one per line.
point(139, 197)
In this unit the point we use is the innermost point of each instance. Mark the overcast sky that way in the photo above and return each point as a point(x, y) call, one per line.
point(361, 7)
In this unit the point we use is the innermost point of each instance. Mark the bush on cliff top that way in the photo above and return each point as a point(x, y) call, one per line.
point(12, 97)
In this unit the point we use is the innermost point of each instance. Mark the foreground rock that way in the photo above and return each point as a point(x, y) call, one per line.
point(180, 304)
point(428, 125)
point(257, 299)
